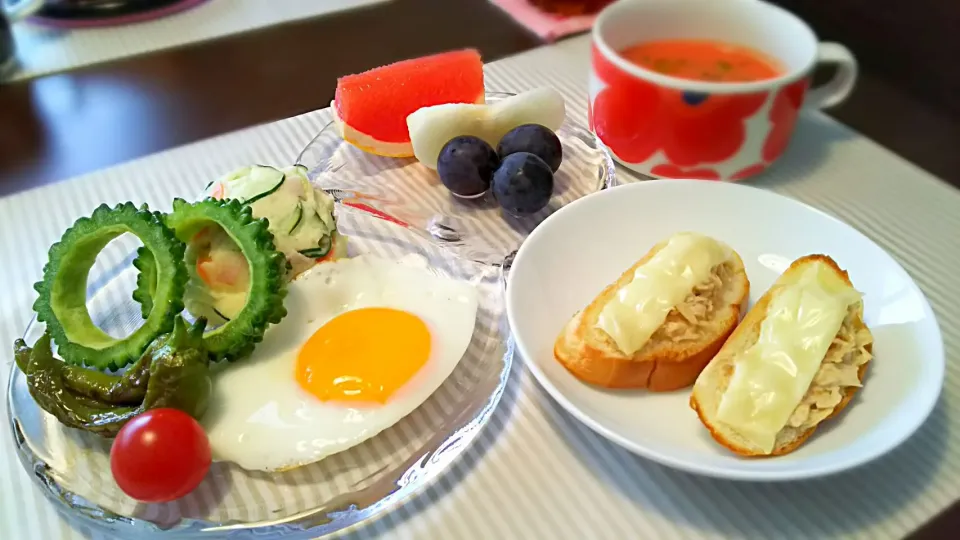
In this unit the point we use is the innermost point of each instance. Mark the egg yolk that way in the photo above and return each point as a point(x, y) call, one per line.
point(363, 355)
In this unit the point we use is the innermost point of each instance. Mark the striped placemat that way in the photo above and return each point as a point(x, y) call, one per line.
point(42, 49)
point(535, 472)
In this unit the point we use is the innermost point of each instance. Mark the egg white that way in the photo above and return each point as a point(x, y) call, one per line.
point(261, 419)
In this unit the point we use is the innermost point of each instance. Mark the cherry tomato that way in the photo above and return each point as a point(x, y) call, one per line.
point(159, 456)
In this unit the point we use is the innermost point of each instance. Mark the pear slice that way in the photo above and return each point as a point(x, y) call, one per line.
point(432, 127)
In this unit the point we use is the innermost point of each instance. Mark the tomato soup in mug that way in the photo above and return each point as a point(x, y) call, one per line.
point(699, 60)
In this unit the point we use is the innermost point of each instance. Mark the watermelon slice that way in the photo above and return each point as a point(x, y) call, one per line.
point(371, 108)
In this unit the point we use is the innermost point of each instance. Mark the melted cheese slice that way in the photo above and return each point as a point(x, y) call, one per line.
point(641, 306)
point(772, 376)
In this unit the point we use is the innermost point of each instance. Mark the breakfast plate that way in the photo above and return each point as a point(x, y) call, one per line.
point(73, 467)
point(414, 197)
point(585, 246)
point(301, 348)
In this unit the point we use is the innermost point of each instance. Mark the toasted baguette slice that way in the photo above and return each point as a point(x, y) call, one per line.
point(850, 351)
point(675, 353)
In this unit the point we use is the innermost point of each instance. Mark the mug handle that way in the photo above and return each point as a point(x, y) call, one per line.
point(21, 9)
point(839, 87)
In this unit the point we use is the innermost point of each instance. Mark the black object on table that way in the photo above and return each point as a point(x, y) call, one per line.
point(100, 9)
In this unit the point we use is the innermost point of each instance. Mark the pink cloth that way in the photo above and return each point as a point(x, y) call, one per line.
point(546, 25)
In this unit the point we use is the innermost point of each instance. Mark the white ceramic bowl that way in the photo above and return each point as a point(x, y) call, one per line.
point(583, 247)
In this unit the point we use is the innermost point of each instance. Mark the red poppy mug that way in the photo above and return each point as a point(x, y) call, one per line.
point(668, 127)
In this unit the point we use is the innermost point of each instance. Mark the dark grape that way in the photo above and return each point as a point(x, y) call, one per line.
point(466, 166)
point(523, 184)
point(536, 139)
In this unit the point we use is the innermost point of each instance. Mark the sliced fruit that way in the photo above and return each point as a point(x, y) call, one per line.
point(371, 108)
point(431, 127)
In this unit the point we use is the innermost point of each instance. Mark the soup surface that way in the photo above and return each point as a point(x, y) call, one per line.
point(710, 61)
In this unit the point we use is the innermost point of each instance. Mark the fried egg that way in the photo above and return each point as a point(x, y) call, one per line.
point(365, 342)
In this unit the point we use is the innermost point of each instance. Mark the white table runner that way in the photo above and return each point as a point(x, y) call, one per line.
point(535, 472)
point(43, 50)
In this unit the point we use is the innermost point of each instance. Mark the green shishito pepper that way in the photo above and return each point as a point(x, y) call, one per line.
point(44, 380)
point(173, 372)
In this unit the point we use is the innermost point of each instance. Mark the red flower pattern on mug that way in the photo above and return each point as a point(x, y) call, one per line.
point(783, 117)
point(747, 172)
point(635, 118)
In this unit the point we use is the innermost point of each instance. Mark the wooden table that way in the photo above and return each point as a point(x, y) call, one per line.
point(59, 126)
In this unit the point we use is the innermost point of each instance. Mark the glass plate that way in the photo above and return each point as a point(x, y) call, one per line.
point(388, 207)
point(413, 196)
point(72, 467)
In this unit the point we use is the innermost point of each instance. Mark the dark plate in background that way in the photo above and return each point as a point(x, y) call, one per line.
point(101, 9)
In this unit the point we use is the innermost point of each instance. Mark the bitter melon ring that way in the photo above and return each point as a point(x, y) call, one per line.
point(237, 337)
point(62, 301)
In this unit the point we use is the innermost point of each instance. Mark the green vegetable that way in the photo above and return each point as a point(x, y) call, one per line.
point(258, 181)
point(298, 213)
point(146, 280)
point(264, 181)
point(126, 389)
point(173, 372)
point(320, 251)
point(295, 219)
point(129, 388)
point(21, 355)
point(63, 296)
point(46, 386)
point(237, 337)
point(179, 371)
